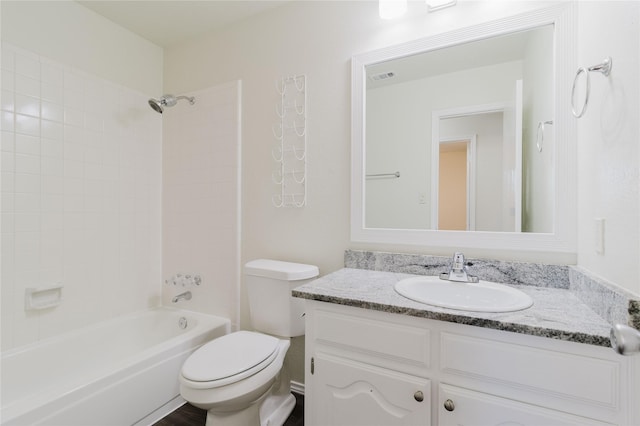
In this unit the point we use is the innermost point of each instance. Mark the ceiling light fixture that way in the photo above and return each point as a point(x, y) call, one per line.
point(435, 5)
point(390, 9)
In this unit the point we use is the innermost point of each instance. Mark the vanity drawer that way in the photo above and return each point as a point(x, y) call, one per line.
point(583, 379)
point(386, 343)
point(458, 406)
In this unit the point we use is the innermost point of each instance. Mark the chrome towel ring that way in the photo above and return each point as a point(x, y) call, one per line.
point(540, 134)
point(604, 68)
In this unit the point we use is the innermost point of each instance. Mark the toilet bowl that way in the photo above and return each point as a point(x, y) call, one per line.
point(233, 373)
point(239, 378)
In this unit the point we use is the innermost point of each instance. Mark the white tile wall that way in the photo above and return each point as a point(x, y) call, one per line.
point(201, 187)
point(81, 164)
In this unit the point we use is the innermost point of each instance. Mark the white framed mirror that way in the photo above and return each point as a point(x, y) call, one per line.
point(417, 105)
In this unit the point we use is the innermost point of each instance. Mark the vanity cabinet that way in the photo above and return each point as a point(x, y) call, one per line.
point(366, 367)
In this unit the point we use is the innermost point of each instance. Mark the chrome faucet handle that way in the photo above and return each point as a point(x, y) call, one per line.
point(459, 271)
point(458, 262)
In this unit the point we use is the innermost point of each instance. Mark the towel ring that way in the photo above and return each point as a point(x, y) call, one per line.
point(540, 134)
point(604, 68)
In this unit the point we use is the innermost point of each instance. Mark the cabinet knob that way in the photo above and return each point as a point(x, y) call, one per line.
point(449, 405)
point(419, 396)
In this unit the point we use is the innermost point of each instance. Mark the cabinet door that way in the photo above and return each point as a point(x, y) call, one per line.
point(353, 394)
point(463, 407)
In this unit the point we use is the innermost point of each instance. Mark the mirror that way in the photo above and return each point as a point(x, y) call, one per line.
point(465, 138)
point(417, 105)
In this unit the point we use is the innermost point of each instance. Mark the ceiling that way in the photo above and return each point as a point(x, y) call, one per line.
point(166, 23)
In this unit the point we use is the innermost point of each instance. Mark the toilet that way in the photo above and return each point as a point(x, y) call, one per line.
point(239, 378)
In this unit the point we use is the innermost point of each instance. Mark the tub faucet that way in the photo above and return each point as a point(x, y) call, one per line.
point(458, 271)
point(182, 296)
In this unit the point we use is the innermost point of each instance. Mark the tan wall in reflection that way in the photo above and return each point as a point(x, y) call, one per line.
point(452, 192)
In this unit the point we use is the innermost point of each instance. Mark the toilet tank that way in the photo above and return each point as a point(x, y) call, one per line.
point(272, 308)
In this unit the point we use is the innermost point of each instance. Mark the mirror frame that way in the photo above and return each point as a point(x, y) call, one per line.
point(564, 237)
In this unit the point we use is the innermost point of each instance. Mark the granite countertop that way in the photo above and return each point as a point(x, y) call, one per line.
point(556, 312)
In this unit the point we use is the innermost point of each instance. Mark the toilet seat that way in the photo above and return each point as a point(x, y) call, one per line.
point(229, 359)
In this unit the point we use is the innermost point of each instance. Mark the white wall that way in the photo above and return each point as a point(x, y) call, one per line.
point(78, 37)
point(81, 169)
point(608, 143)
point(201, 187)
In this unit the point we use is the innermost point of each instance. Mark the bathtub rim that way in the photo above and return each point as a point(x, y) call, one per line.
point(102, 324)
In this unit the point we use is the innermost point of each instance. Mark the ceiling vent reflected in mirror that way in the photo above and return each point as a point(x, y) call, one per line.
point(382, 76)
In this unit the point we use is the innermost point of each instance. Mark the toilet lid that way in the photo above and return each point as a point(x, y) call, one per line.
point(240, 354)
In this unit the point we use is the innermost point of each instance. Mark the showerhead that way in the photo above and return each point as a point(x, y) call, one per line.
point(158, 105)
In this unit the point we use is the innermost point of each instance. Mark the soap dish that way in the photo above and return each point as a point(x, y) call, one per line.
point(37, 298)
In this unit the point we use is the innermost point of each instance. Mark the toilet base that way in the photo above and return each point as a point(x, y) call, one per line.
point(273, 411)
point(276, 409)
point(246, 417)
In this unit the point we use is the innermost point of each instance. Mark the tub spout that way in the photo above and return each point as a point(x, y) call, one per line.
point(182, 296)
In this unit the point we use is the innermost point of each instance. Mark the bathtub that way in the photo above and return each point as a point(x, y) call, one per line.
point(120, 372)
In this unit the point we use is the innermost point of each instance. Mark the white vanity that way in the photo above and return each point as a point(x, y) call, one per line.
point(374, 357)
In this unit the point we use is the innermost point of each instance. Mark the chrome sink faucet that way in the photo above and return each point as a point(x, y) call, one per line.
point(459, 271)
point(182, 296)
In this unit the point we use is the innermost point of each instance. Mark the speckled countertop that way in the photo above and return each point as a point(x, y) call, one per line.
point(556, 312)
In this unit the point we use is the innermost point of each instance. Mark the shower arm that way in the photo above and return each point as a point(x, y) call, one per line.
point(191, 99)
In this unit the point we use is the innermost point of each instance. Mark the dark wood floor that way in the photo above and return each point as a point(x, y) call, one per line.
point(188, 415)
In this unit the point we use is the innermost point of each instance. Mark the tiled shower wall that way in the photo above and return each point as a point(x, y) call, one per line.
point(201, 187)
point(81, 197)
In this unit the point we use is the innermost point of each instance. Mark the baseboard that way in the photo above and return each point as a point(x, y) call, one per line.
point(297, 387)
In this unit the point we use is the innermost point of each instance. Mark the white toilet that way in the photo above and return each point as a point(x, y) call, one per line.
point(239, 378)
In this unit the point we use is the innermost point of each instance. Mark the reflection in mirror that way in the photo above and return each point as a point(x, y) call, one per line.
point(456, 210)
point(459, 125)
point(479, 159)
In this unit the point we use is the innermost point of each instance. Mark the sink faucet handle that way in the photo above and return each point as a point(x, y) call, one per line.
point(458, 271)
point(458, 261)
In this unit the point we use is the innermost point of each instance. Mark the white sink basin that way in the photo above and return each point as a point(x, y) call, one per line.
point(484, 296)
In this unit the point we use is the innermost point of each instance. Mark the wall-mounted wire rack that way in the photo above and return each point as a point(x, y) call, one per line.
point(290, 152)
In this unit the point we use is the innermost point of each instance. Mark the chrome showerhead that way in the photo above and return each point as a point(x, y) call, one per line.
point(158, 105)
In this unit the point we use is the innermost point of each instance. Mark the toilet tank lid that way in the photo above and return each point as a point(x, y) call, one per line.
point(280, 270)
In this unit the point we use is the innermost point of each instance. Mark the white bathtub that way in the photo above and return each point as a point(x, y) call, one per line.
point(120, 372)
